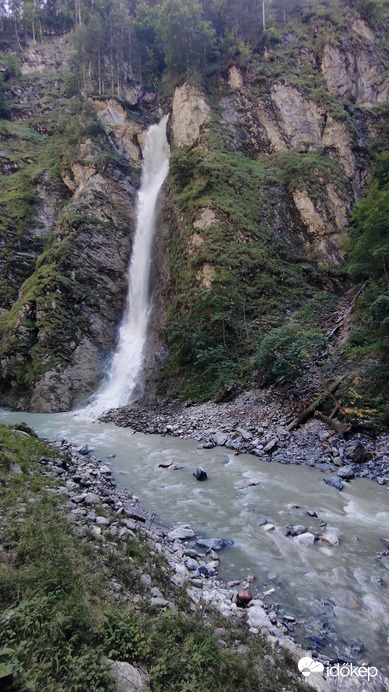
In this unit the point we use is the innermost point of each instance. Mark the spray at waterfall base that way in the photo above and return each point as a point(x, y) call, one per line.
point(308, 665)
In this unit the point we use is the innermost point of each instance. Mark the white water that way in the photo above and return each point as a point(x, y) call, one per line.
point(126, 367)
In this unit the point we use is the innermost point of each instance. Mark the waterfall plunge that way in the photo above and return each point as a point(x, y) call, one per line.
point(126, 367)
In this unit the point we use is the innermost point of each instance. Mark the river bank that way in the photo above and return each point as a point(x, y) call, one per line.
point(338, 584)
point(257, 423)
point(110, 515)
point(94, 595)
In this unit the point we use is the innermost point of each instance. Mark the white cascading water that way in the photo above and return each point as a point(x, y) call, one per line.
point(126, 368)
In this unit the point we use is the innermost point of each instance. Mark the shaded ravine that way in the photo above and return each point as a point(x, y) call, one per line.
point(337, 594)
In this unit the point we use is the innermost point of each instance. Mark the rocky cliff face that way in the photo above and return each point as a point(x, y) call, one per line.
point(62, 323)
point(268, 157)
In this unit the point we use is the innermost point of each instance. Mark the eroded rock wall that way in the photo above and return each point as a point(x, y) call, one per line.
point(61, 324)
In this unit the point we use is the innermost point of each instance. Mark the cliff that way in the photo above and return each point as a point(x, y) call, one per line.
point(64, 288)
point(271, 150)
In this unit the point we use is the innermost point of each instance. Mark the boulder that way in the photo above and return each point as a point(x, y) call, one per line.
point(200, 474)
point(127, 677)
point(215, 543)
point(15, 469)
point(346, 472)
point(23, 427)
point(295, 530)
point(271, 446)
point(181, 533)
point(304, 539)
point(91, 499)
point(257, 617)
point(334, 482)
point(243, 597)
point(358, 454)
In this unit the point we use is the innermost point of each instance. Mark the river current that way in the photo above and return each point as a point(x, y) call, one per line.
point(339, 594)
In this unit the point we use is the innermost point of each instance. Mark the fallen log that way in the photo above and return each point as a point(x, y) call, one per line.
point(310, 410)
point(340, 428)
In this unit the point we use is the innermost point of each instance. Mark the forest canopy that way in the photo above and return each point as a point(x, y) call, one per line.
point(121, 39)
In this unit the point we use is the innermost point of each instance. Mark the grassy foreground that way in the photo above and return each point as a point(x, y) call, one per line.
point(60, 617)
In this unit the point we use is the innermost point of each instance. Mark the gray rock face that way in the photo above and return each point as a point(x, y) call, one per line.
point(357, 74)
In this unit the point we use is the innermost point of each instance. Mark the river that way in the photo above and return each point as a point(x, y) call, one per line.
point(338, 594)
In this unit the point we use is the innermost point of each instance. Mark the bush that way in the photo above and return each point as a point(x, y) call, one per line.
point(286, 352)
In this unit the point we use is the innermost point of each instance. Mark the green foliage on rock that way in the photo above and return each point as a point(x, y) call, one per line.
point(368, 345)
point(288, 351)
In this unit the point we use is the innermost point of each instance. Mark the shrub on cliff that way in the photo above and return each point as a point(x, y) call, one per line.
point(287, 352)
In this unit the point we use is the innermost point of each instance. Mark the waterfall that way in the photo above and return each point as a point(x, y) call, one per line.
point(126, 368)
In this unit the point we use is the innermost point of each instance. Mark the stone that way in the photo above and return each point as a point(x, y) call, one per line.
point(77, 499)
point(200, 474)
point(181, 533)
point(127, 677)
point(330, 538)
point(258, 618)
point(105, 470)
point(304, 539)
point(269, 527)
point(191, 564)
point(215, 543)
point(102, 521)
point(247, 436)
point(358, 454)
point(84, 450)
point(346, 472)
point(15, 469)
point(220, 439)
point(271, 446)
point(91, 499)
point(159, 601)
point(23, 427)
point(189, 112)
point(243, 597)
point(295, 530)
point(181, 575)
point(209, 569)
point(334, 482)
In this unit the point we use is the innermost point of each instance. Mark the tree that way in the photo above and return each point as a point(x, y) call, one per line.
point(188, 39)
point(369, 246)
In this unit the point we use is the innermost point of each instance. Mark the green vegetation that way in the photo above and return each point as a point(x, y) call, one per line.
point(252, 277)
point(368, 347)
point(59, 620)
